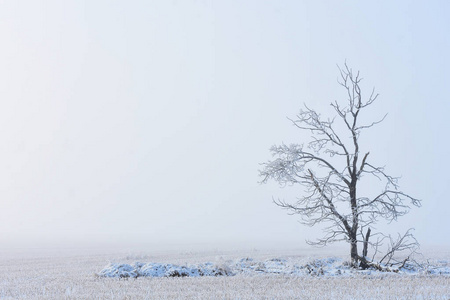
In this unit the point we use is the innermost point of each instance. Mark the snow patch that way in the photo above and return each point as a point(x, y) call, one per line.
point(310, 267)
point(163, 270)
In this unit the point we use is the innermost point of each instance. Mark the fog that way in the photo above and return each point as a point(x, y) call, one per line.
point(145, 122)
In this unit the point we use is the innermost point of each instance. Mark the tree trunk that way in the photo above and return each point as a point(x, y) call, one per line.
point(353, 241)
point(363, 260)
point(366, 242)
point(354, 250)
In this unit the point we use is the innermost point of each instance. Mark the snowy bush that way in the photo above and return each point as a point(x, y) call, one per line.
point(315, 267)
point(163, 270)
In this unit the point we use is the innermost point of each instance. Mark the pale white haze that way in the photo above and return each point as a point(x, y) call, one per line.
point(145, 122)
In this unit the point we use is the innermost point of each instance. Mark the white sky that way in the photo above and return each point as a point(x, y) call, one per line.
point(146, 121)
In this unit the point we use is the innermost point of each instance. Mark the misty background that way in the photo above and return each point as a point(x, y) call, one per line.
point(145, 122)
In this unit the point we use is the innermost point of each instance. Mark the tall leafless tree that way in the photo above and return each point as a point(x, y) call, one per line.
point(330, 168)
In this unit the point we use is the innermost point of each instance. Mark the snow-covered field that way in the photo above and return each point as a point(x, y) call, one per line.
point(255, 274)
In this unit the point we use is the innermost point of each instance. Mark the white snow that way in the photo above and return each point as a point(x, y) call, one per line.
point(162, 270)
point(313, 267)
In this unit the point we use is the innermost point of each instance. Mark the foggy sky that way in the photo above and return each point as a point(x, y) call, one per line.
point(147, 121)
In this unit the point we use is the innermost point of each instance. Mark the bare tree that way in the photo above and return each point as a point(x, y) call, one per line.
point(330, 168)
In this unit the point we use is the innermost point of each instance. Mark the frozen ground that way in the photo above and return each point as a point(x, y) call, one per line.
point(257, 274)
